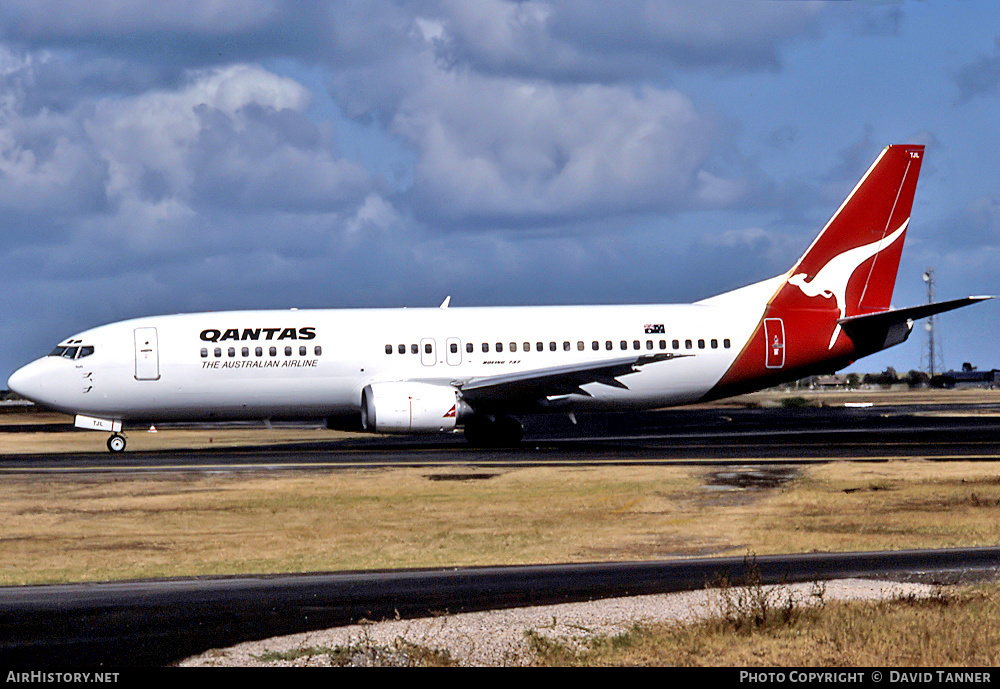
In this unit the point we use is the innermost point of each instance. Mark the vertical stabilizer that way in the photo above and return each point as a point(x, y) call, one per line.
point(854, 260)
point(849, 270)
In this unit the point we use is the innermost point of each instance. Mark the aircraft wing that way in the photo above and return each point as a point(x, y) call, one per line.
point(530, 386)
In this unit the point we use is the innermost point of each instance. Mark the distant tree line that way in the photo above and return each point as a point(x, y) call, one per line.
point(912, 379)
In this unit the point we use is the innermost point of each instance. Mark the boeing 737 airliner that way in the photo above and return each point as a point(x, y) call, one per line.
point(438, 369)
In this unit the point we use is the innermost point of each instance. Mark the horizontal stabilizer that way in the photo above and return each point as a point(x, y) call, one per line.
point(911, 313)
point(873, 332)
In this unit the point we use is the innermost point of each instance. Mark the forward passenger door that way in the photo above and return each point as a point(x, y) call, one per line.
point(147, 357)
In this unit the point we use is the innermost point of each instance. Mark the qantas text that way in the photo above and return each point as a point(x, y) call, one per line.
point(215, 335)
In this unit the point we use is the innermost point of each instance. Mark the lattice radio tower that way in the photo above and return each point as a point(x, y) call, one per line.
point(933, 357)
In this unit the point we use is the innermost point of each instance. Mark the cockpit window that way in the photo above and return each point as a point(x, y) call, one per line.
point(72, 352)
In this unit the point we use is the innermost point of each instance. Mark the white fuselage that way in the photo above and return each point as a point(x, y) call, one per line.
point(432, 370)
point(267, 364)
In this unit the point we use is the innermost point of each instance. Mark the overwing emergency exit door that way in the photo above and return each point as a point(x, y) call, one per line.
point(428, 351)
point(453, 353)
point(147, 356)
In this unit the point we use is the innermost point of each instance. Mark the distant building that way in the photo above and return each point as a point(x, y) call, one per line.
point(969, 376)
point(834, 381)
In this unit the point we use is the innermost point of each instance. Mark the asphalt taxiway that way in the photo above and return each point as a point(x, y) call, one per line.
point(152, 623)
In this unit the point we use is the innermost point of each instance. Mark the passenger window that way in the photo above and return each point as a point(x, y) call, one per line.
point(526, 347)
point(414, 349)
point(579, 345)
point(688, 344)
point(204, 352)
point(676, 344)
point(715, 344)
point(245, 351)
point(218, 352)
point(513, 346)
point(273, 351)
point(540, 346)
point(486, 347)
point(595, 345)
point(468, 347)
point(608, 345)
point(725, 343)
point(552, 346)
point(302, 350)
point(565, 346)
point(649, 344)
point(701, 344)
point(388, 349)
point(259, 351)
point(499, 346)
point(232, 351)
point(401, 348)
point(624, 345)
point(663, 344)
point(288, 351)
point(318, 351)
point(635, 344)
point(454, 348)
point(427, 348)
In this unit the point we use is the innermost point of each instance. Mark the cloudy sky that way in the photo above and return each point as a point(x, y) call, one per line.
point(211, 154)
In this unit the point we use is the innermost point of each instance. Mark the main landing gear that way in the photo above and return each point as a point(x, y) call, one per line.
point(493, 431)
point(116, 443)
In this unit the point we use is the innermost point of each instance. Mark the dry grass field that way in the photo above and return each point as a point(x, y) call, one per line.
point(128, 525)
point(101, 527)
point(952, 631)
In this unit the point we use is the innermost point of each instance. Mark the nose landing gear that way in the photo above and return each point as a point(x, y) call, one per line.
point(116, 443)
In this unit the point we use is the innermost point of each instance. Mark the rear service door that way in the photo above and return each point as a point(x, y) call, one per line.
point(774, 331)
point(147, 356)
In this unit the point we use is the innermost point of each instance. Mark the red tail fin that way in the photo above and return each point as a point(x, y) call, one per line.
point(850, 269)
point(855, 258)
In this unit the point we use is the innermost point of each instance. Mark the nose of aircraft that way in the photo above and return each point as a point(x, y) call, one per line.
point(28, 381)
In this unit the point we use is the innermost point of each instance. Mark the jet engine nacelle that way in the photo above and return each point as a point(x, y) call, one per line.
point(403, 407)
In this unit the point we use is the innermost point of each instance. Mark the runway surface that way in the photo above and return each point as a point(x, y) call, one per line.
point(932, 432)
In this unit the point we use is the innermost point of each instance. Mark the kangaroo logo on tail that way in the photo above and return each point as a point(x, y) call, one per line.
point(832, 278)
point(867, 230)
